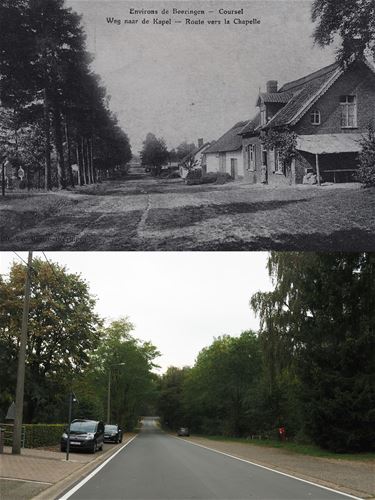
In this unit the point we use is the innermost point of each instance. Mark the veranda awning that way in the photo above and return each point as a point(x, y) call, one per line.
point(329, 143)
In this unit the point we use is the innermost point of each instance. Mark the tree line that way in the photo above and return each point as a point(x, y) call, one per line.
point(155, 153)
point(310, 368)
point(55, 121)
point(70, 348)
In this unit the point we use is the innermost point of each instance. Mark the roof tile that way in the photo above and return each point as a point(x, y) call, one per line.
point(230, 141)
point(306, 88)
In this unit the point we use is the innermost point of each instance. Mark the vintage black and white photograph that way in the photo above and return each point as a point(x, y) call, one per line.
point(226, 125)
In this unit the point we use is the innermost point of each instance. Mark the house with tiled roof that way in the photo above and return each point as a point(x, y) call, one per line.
point(329, 110)
point(195, 160)
point(225, 155)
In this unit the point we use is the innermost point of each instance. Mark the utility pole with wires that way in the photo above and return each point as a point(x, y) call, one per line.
point(17, 429)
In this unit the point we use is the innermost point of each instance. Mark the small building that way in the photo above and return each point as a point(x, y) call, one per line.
point(329, 111)
point(195, 160)
point(225, 155)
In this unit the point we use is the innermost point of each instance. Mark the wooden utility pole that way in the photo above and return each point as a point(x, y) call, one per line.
point(109, 397)
point(17, 429)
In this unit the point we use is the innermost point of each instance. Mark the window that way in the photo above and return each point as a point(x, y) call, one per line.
point(348, 111)
point(279, 164)
point(251, 157)
point(315, 117)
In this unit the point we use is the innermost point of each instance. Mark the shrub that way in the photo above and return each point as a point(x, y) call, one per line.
point(194, 176)
point(43, 434)
point(366, 171)
point(223, 178)
point(209, 178)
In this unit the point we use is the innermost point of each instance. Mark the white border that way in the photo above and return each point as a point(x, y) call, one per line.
point(95, 471)
point(272, 470)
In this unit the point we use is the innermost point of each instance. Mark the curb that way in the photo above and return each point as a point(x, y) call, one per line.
point(54, 491)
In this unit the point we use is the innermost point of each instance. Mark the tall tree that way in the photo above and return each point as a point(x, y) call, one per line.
point(63, 329)
point(44, 66)
point(171, 397)
point(352, 20)
point(154, 153)
point(184, 149)
point(327, 302)
point(223, 380)
point(130, 363)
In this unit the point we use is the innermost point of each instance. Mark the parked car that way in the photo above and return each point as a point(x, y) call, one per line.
point(112, 433)
point(183, 431)
point(85, 435)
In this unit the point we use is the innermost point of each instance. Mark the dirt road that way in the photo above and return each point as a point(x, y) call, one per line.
point(143, 213)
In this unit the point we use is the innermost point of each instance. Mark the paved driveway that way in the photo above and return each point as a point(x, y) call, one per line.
point(142, 213)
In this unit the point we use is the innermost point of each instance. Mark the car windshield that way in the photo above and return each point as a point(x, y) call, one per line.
point(81, 427)
point(110, 428)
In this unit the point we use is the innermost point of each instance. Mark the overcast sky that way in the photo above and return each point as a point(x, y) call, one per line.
point(184, 82)
point(178, 301)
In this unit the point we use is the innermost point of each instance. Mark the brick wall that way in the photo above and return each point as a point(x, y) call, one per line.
point(358, 80)
point(252, 176)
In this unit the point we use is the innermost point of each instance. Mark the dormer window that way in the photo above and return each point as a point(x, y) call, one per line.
point(315, 117)
point(348, 105)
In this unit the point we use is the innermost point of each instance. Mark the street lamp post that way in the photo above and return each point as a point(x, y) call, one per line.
point(109, 392)
point(72, 399)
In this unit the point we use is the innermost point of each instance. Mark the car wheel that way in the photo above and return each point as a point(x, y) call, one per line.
point(94, 447)
point(101, 446)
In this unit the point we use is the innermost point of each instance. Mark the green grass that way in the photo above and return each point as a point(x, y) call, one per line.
point(303, 449)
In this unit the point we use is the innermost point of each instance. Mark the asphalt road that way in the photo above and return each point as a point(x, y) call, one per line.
point(156, 465)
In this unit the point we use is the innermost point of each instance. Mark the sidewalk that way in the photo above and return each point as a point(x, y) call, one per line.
point(43, 473)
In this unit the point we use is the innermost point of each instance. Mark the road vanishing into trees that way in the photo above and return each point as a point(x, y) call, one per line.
point(156, 465)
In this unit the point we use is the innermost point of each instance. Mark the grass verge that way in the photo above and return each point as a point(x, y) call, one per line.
point(302, 449)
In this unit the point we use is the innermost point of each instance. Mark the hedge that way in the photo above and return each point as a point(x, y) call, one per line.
point(43, 434)
point(208, 178)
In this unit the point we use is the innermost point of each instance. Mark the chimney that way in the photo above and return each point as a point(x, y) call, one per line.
point(271, 86)
point(200, 142)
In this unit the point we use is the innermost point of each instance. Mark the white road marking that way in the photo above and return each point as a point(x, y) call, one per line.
point(93, 473)
point(269, 468)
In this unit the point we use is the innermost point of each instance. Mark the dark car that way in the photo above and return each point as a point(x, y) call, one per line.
point(183, 431)
point(85, 435)
point(112, 433)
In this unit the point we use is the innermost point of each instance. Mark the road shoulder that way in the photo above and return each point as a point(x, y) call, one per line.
point(352, 477)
